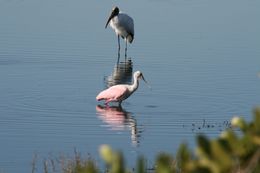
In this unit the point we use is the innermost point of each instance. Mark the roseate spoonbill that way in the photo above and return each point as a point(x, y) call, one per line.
point(123, 26)
point(118, 93)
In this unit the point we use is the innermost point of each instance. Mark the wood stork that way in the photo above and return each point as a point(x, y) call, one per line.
point(123, 26)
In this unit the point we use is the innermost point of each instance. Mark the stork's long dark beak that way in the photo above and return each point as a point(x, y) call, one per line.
point(110, 17)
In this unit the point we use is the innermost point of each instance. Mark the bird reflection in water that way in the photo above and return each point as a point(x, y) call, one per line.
point(118, 119)
point(122, 73)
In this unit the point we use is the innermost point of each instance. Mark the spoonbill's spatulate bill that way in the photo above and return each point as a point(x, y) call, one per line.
point(123, 26)
point(118, 93)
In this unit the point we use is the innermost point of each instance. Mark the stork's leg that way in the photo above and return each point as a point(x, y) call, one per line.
point(118, 53)
point(118, 58)
point(118, 39)
point(125, 48)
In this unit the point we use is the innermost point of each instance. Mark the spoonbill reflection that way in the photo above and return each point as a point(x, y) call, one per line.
point(118, 119)
point(123, 26)
point(118, 93)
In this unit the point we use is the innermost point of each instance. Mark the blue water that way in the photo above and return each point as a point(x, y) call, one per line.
point(201, 58)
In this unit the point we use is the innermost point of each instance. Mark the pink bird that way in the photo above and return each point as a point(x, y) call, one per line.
point(118, 93)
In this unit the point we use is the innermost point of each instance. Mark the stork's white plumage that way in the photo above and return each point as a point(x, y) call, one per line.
point(122, 24)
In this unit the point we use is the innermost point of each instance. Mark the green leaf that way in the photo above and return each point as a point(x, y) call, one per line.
point(106, 153)
point(164, 164)
point(204, 148)
point(183, 157)
point(141, 165)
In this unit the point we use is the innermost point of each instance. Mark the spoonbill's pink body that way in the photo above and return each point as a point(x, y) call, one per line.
point(118, 93)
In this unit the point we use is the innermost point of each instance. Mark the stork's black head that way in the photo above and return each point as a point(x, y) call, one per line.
point(115, 12)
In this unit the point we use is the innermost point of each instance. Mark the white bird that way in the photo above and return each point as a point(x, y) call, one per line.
point(123, 26)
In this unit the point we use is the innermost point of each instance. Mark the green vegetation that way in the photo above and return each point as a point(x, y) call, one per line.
point(233, 152)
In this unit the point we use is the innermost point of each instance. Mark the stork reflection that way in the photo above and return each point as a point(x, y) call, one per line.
point(119, 120)
point(122, 73)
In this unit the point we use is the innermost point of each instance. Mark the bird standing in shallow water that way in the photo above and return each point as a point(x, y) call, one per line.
point(118, 93)
point(123, 26)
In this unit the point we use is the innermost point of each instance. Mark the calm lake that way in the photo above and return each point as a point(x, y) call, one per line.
point(201, 58)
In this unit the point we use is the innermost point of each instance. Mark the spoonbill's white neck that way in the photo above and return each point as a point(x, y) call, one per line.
point(135, 83)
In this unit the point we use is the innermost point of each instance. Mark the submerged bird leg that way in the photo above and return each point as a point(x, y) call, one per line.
point(119, 104)
point(106, 103)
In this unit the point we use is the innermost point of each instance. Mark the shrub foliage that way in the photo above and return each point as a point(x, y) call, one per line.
point(234, 151)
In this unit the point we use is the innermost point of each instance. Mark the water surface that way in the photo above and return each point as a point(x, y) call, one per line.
point(200, 57)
